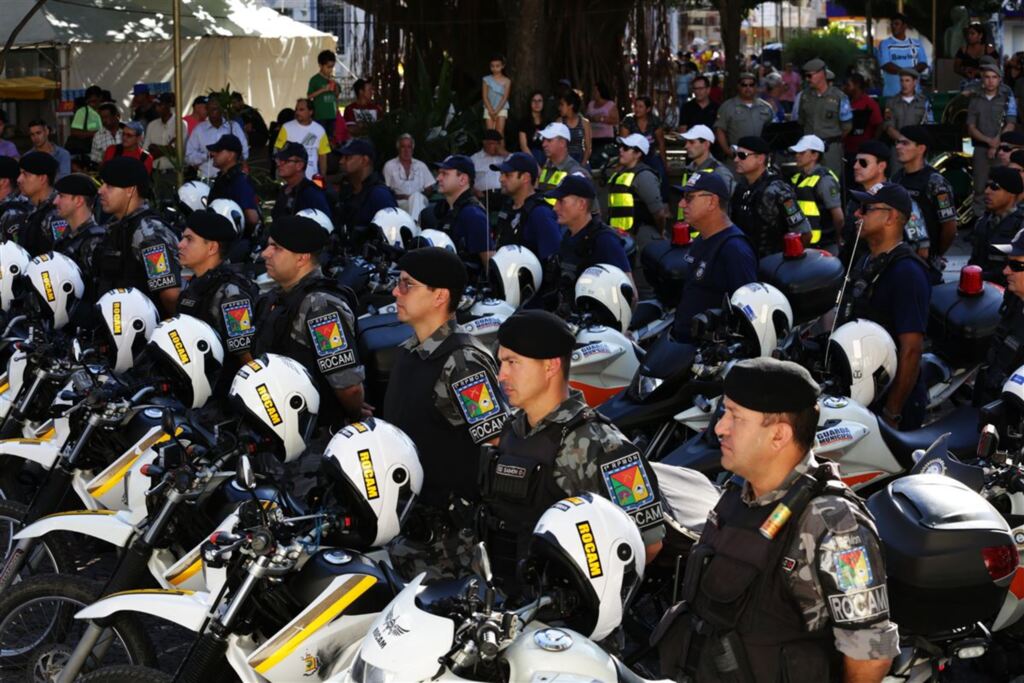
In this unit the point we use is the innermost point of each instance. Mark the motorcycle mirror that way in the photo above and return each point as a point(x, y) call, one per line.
point(245, 477)
point(482, 562)
point(76, 350)
point(988, 442)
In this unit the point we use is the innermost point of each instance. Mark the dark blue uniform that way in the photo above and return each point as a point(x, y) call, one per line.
point(305, 196)
point(236, 186)
point(533, 225)
point(470, 230)
point(607, 248)
point(718, 266)
point(359, 208)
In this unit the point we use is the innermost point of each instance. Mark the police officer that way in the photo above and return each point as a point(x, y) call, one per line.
point(559, 165)
point(908, 108)
point(13, 204)
point(635, 204)
point(817, 191)
point(299, 192)
point(698, 141)
point(768, 597)
point(721, 259)
point(991, 112)
point(587, 242)
point(825, 111)
point(890, 286)
point(232, 182)
point(42, 226)
point(554, 446)
point(1002, 219)
point(742, 116)
point(308, 317)
point(764, 205)
point(928, 188)
point(461, 214)
point(76, 194)
point(869, 170)
point(363, 192)
point(1006, 352)
point(217, 294)
point(140, 250)
point(525, 218)
point(444, 394)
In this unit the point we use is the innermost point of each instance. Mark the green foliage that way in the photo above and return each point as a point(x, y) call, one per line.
point(832, 45)
point(441, 121)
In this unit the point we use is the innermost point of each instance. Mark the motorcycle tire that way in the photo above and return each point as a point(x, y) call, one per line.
point(126, 674)
point(21, 643)
point(55, 558)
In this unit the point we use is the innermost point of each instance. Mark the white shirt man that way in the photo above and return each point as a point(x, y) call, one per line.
point(308, 133)
point(208, 132)
point(486, 179)
point(408, 178)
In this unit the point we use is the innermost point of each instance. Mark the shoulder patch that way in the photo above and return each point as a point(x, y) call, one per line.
point(156, 261)
point(853, 569)
point(480, 405)
point(60, 227)
point(629, 486)
point(237, 323)
point(859, 606)
point(329, 342)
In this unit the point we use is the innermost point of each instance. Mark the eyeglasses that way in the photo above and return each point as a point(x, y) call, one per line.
point(863, 163)
point(743, 155)
point(405, 284)
point(1015, 266)
point(690, 196)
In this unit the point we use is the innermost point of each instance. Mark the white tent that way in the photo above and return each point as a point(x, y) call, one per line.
point(115, 44)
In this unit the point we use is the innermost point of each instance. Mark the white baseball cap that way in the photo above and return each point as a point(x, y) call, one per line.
point(699, 132)
point(556, 130)
point(635, 140)
point(809, 142)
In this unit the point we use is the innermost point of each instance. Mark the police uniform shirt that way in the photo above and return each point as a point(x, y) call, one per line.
point(915, 232)
point(992, 229)
point(236, 186)
point(901, 111)
point(827, 194)
point(41, 227)
point(990, 114)
point(230, 310)
point(932, 193)
point(153, 245)
point(324, 326)
point(305, 195)
point(835, 572)
point(537, 229)
point(13, 210)
point(471, 231)
point(81, 247)
point(595, 457)
point(718, 266)
point(739, 119)
point(550, 172)
point(902, 293)
point(607, 247)
point(359, 208)
point(648, 189)
point(711, 165)
point(825, 114)
point(775, 207)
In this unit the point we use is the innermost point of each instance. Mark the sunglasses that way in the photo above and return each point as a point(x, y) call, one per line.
point(625, 147)
point(1006, 148)
point(743, 155)
point(1015, 266)
point(875, 207)
point(994, 186)
point(405, 284)
point(690, 196)
point(863, 163)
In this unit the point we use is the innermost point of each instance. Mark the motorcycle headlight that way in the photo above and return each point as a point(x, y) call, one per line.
point(364, 672)
point(645, 385)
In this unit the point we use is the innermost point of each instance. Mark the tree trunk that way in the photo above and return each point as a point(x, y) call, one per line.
point(731, 20)
point(528, 60)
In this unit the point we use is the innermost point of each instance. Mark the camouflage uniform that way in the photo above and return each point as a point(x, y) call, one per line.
point(448, 420)
point(13, 209)
point(821, 577)
point(80, 245)
point(766, 210)
point(40, 228)
point(140, 251)
point(934, 197)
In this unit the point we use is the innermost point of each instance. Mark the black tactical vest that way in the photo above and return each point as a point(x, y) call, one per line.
point(114, 264)
point(574, 256)
point(506, 232)
point(1006, 352)
point(747, 214)
point(450, 458)
point(864, 278)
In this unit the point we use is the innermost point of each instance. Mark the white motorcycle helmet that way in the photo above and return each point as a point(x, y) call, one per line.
point(1013, 388)
point(192, 196)
point(863, 354)
point(397, 227)
point(192, 352)
point(515, 274)
point(56, 287)
point(277, 394)
point(322, 219)
point(129, 318)
point(607, 293)
point(230, 210)
point(434, 238)
point(767, 313)
point(13, 262)
point(589, 545)
point(376, 474)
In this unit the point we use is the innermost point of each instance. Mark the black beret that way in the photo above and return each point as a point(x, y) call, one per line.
point(536, 334)
point(436, 267)
point(39, 163)
point(1016, 157)
point(124, 172)
point(918, 134)
point(299, 234)
point(1007, 179)
point(877, 149)
point(210, 225)
point(78, 184)
point(9, 168)
point(754, 144)
point(768, 385)
point(1013, 137)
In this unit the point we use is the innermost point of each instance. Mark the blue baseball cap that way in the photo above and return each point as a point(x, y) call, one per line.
point(520, 162)
point(889, 194)
point(708, 182)
point(460, 163)
point(575, 185)
point(357, 147)
point(1015, 247)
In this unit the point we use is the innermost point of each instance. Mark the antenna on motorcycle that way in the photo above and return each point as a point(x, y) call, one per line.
point(482, 562)
point(842, 290)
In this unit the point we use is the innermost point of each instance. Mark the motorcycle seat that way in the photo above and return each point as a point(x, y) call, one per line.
point(962, 424)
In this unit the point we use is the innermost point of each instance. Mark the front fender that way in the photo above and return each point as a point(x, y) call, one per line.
point(42, 451)
point(182, 607)
point(105, 525)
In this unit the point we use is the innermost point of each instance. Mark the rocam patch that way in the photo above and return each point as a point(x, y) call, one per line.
point(60, 227)
point(859, 606)
point(853, 569)
point(238, 324)
point(480, 406)
point(629, 486)
point(157, 262)
point(330, 343)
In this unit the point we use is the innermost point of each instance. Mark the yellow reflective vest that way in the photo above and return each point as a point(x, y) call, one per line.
point(808, 202)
